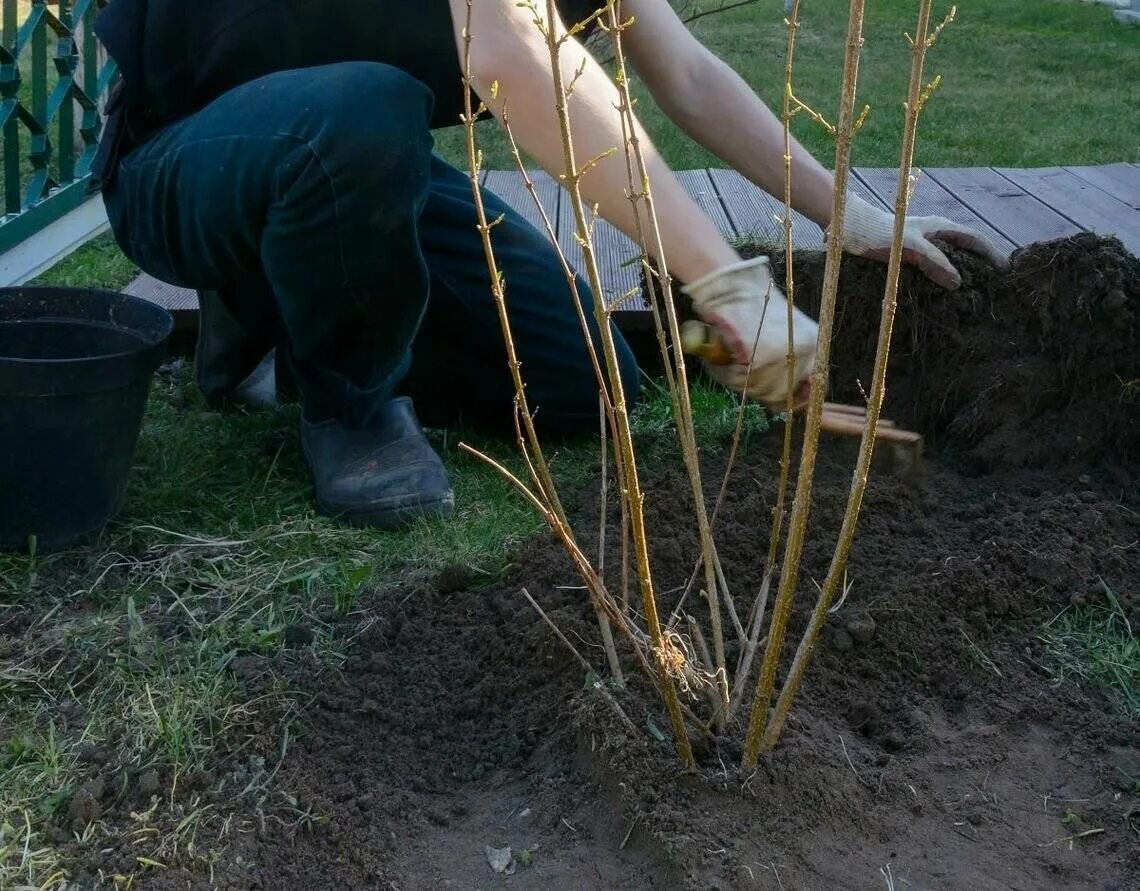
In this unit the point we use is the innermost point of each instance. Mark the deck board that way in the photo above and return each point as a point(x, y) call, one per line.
point(619, 268)
point(758, 216)
point(1083, 203)
point(509, 185)
point(928, 198)
point(1121, 181)
point(861, 189)
point(1008, 208)
point(613, 251)
point(701, 189)
point(1013, 206)
point(181, 303)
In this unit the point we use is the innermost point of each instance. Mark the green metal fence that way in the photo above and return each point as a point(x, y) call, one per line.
point(52, 80)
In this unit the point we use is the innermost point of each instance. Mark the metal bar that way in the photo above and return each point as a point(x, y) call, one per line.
point(52, 241)
point(85, 13)
point(38, 118)
point(30, 221)
point(66, 61)
point(31, 25)
point(9, 87)
point(40, 153)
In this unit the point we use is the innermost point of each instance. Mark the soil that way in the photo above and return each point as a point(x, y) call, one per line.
point(933, 745)
point(1032, 366)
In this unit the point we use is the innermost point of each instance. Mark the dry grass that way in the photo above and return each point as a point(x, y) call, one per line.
point(126, 648)
point(118, 658)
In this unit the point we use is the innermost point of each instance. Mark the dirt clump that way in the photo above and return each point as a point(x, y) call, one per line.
point(1038, 365)
point(932, 702)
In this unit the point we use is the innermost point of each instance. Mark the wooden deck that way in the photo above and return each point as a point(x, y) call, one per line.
point(1014, 207)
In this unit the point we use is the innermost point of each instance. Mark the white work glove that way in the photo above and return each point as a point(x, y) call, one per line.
point(869, 230)
point(749, 314)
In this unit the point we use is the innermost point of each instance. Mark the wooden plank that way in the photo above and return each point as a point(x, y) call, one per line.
point(613, 250)
point(1121, 181)
point(928, 198)
point(753, 212)
point(181, 302)
point(619, 269)
point(1081, 202)
point(165, 295)
point(756, 214)
point(860, 188)
point(509, 185)
point(612, 247)
point(701, 189)
point(1016, 214)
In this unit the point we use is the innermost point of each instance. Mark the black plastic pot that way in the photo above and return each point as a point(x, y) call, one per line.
point(75, 369)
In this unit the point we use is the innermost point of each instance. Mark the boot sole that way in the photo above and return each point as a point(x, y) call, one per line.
point(392, 519)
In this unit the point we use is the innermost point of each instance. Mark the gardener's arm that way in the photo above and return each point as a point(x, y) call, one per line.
point(714, 106)
point(735, 296)
point(508, 48)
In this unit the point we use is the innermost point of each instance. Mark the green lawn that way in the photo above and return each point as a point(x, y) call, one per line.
point(1023, 84)
point(219, 549)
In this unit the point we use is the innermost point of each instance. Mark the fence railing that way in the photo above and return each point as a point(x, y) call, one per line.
point(53, 80)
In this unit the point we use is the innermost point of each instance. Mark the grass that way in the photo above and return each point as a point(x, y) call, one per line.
point(219, 551)
point(128, 645)
point(99, 263)
point(1029, 84)
point(1094, 643)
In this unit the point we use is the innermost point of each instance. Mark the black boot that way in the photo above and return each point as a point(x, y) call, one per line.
point(231, 365)
point(387, 476)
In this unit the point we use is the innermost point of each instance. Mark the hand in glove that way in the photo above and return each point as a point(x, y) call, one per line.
point(868, 232)
point(749, 315)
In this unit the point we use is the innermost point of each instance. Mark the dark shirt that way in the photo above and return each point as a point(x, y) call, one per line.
point(176, 56)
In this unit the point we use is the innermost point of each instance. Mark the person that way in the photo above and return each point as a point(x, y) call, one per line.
point(279, 156)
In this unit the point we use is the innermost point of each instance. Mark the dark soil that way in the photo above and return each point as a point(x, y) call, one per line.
point(1037, 365)
point(933, 745)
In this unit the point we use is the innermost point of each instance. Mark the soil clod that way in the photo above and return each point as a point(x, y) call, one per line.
point(1035, 366)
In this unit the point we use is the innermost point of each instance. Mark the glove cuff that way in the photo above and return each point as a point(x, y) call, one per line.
point(865, 225)
point(706, 287)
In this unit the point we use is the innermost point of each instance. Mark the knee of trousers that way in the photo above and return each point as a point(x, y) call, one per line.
point(575, 412)
point(368, 121)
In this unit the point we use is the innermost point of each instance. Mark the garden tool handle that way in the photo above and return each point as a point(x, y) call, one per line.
point(703, 341)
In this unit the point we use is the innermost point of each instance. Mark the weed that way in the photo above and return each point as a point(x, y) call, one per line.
point(1095, 643)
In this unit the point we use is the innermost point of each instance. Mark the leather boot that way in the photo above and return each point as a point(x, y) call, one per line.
point(387, 476)
point(232, 366)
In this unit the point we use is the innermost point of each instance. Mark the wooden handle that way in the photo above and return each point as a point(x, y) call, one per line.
point(854, 411)
point(845, 424)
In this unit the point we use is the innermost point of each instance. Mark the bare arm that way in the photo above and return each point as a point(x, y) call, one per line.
point(716, 108)
point(508, 48)
point(713, 104)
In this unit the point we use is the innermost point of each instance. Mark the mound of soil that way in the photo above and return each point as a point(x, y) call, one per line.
point(1033, 366)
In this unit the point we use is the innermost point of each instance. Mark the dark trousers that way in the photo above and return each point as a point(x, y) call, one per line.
point(312, 201)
